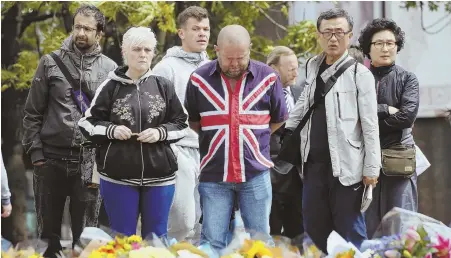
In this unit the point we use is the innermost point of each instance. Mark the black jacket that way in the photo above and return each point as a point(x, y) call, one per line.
point(282, 173)
point(150, 103)
point(51, 115)
point(398, 88)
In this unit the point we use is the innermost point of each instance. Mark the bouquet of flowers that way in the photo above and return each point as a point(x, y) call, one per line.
point(338, 247)
point(30, 253)
point(33, 248)
point(259, 249)
point(135, 247)
point(413, 243)
point(119, 247)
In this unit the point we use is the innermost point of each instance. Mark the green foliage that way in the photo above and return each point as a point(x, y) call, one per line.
point(302, 38)
point(6, 5)
point(20, 74)
point(53, 39)
point(44, 36)
point(141, 13)
point(431, 5)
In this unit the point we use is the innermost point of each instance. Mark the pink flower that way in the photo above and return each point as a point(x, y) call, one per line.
point(428, 255)
point(410, 243)
point(443, 247)
point(135, 246)
point(413, 234)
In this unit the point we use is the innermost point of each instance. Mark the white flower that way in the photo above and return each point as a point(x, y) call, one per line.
point(151, 252)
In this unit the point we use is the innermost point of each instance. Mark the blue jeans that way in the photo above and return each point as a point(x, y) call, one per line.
point(124, 203)
point(217, 201)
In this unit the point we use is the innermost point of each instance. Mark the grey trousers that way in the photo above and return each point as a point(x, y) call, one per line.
point(185, 210)
point(391, 192)
point(53, 182)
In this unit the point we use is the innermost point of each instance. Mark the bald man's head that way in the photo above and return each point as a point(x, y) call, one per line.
point(233, 50)
point(235, 35)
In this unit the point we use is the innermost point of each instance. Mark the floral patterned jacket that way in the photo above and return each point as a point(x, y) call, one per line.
point(150, 102)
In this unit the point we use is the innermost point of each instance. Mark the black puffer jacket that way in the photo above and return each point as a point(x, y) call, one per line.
point(398, 88)
point(149, 103)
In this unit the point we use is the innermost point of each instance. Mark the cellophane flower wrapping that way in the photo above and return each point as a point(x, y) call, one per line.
point(404, 233)
point(96, 243)
point(31, 248)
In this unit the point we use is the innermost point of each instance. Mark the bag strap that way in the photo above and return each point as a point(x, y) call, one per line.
point(306, 65)
point(65, 71)
point(329, 84)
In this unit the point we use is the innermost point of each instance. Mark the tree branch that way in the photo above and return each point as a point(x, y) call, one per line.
point(268, 17)
point(38, 43)
point(34, 17)
point(425, 28)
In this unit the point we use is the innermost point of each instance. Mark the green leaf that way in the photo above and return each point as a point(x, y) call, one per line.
point(284, 10)
point(422, 232)
point(432, 6)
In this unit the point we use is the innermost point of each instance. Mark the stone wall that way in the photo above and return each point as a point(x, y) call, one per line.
point(433, 136)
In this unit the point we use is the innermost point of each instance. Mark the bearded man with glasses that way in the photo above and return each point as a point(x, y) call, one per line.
point(340, 142)
point(59, 94)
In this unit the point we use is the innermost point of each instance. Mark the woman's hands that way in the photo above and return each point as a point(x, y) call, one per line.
point(150, 135)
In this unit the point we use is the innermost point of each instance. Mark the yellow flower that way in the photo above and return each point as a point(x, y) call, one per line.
point(348, 254)
point(96, 254)
point(108, 247)
point(406, 254)
point(258, 248)
point(120, 240)
point(35, 256)
point(135, 239)
point(127, 247)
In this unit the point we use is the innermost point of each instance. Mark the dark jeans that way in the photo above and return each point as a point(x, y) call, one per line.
point(53, 182)
point(286, 217)
point(328, 205)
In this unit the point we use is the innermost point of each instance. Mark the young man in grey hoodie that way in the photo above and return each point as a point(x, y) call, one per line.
point(177, 65)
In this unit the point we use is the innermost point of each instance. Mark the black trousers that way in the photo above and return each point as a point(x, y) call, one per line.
point(330, 206)
point(286, 217)
point(53, 182)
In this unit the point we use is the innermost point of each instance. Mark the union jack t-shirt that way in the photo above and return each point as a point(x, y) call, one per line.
point(235, 124)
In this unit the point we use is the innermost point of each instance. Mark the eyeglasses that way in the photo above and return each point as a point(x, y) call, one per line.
point(380, 44)
point(337, 34)
point(85, 28)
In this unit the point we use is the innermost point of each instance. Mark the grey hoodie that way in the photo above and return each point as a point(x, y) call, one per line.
point(6, 194)
point(177, 66)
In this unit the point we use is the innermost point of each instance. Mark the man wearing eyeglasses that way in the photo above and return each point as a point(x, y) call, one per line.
point(62, 168)
point(340, 142)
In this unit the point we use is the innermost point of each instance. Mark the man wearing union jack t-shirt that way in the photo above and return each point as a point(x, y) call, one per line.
point(234, 104)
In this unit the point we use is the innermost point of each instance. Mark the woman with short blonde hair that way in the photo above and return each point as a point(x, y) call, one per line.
point(133, 117)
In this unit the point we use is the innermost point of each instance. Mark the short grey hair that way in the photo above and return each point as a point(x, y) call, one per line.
point(135, 36)
point(333, 14)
